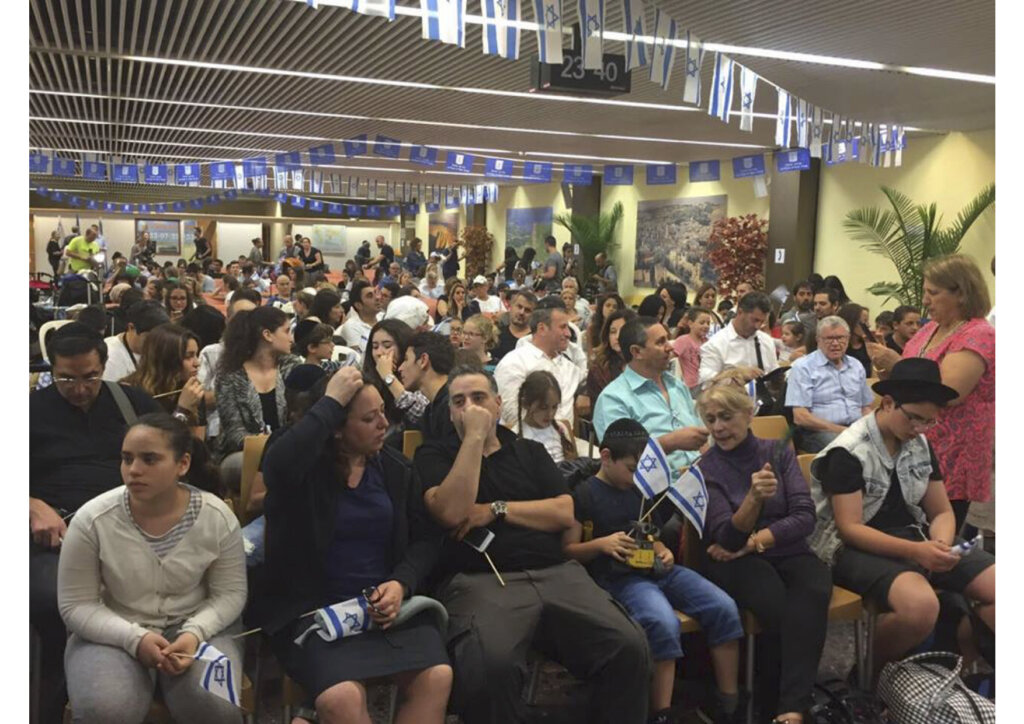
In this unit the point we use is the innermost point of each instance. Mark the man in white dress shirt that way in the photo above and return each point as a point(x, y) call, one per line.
point(740, 344)
point(545, 351)
point(364, 302)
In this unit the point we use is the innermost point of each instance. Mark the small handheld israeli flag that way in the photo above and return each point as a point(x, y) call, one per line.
point(690, 494)
point(751, 388)
point(348, 618)
point(652, 475)
point(721, 88)
point(664, 52)
point(548, 14)
point(217, 678)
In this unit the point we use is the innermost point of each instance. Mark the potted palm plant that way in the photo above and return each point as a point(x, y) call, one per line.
point(594, 234)
point(908, 235)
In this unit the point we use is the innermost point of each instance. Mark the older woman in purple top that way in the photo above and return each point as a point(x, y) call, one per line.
point(759, 515)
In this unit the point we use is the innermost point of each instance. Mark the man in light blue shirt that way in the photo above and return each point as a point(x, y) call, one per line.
point(827, 389)
point(647, 393)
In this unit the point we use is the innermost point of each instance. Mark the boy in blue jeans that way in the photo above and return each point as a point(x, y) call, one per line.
point(605, 505)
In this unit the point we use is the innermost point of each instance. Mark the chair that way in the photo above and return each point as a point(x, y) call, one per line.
point(252, 452)
point(48, 327)
point(770, 427)
point(805, 465)
point(411, 439)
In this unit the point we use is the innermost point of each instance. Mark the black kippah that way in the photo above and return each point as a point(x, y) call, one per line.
point(303, 377)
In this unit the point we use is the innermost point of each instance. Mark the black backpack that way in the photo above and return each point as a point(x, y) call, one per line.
point(78, 290)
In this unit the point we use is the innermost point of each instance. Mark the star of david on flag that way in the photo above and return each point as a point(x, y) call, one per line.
point(690, 494)
point(591, 14)
point(218, 674)
point(748, 90)
point(722, 88)
point(634, 24)
point(664, 52)
point(652, 476)
point(548, 15)
point(499, 37)
point(694, 59)
point(784, 120)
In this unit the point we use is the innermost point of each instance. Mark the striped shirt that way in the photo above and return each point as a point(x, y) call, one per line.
point(164, 544)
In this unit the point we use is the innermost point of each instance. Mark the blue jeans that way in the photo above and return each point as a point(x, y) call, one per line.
point(253, 536)
point(812, 441)
point(652, 602)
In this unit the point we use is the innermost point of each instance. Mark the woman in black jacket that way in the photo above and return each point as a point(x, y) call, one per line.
point(345, 515)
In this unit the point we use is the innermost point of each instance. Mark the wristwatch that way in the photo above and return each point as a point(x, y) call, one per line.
point(500, 509)
point(389, 380)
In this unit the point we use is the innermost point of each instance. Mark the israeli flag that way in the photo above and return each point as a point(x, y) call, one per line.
point(459, 162)
point(748, 91)
point(634, 24)
point(315, 205)
point(817, 119)
point(218, 674)
point(348, 618)
point(298, 179)
point(548, 14)
point(298, 202)
point(501, 38)
point(899, 143)
point(694, 59)
point(652, 476)
point(239, 176)
point(827, 135)
point(316, 181)
point(38, 163)
point(378, 8)
point(63, 166)
point(93, 170)
point(661, 174)
point(784, 120)
point(254, 167)
point(591, 14)
point(444, 20)
point(423, 155)
point(705, 171)
point(386, 146)
point(722, 88)
point(751, 388)
point(690, 494)
point(664, 52)
point(322, 155)
point(156, 173)
point(803, 116)
point(187, 174)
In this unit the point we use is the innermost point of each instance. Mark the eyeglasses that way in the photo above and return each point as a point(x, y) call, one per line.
point(467, 333)
point(71, 382)
point(836, 340)
point(916, 421)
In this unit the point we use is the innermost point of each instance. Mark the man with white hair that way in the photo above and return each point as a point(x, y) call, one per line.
point(827, 388)
point(582, 305)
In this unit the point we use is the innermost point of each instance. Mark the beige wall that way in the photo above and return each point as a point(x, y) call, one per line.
point(948, 170)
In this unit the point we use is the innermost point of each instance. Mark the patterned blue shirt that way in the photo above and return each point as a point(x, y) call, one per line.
point(636, 397)
point(835, 394)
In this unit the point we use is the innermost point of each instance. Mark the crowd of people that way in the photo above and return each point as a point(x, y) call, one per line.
point(137, 435)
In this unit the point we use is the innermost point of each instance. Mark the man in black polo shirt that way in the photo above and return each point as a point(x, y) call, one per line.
point(75, 433)
point(486, 477)
point(521, 306)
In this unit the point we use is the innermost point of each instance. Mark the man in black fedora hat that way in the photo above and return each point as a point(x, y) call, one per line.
point(884, 522)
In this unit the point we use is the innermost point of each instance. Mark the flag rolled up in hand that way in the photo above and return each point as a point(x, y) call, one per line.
point(347, 618)
point(218, 677)
point(690, 494)
point(652, 474)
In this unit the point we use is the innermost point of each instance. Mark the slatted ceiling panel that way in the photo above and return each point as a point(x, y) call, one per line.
point(72, 42)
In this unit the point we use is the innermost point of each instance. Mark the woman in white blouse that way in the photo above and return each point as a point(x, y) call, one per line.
point(147, 572)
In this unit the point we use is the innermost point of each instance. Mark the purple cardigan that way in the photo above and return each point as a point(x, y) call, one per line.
point(789, 514)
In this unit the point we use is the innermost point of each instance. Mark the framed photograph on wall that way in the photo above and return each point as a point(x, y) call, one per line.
point(166, 234)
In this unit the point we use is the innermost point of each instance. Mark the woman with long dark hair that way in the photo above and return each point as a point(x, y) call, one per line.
point(178, 300)
point(860, 335)
point(653, 306)
point(250, 382)
point(385, 352)
point(674, 295)
point(327, 307)
point(608, 362)
point(507, 270)
point(170, 364)
point(528, 265)
point(607, 305)
point(346, 520)
point(705, 298)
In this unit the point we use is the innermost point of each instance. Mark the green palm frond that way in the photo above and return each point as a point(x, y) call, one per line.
point(593, 233)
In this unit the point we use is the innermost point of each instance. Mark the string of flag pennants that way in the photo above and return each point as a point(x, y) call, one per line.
point(825, 134)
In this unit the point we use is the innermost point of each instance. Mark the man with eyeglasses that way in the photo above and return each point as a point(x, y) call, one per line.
point(885, 524)
point(76, 428)
point(827, 389)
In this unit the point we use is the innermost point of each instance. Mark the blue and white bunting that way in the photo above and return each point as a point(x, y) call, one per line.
point(499, 168)
point(386, 147)
point(94, 170)
point(803, 123)
point(186, 174)
point(690, 494)
point(817, 121)
point(591, 16)
point(537, 171)
point(63, 166)
point(125, 173)
point(155, 173)
point(459, 162)
point(356, 146)
point(316, 205)
point(322, 155)
point(746, 166)
point(663, 52)
point(423, 155)
point(618, 175)
point(344, 619)
point(652, 476)
point(288, 161)
point(722, 88)
point(298, 202)
point(254, 167)
point(444, 20)
point(748, 92)
point(634, 24)
point(578, 174)
point(548, 14)
point(694, 59)
point(661, 174)
point(335, 209)
point(784, 120)
point(218, 673)
point(220, 173)
point(705, 171)
point(499, 37)
point(38, 163)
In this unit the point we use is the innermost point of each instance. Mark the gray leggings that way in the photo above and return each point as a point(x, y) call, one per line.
point(108, 686)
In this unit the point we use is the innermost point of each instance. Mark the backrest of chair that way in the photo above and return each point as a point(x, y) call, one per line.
point(411, 439)
point(46, 329)
point(252, 452)
point(769, 427)
point(805, 461)
point(691, 548)
point(878, 398)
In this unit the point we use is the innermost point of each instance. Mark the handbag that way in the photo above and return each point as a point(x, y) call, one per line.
point(920, 689)
point(836, 702)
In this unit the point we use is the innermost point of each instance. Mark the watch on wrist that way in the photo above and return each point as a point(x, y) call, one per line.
point(500, 509)
point(389, 380)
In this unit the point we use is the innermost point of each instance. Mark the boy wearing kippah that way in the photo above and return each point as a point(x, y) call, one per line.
point(606, 508)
